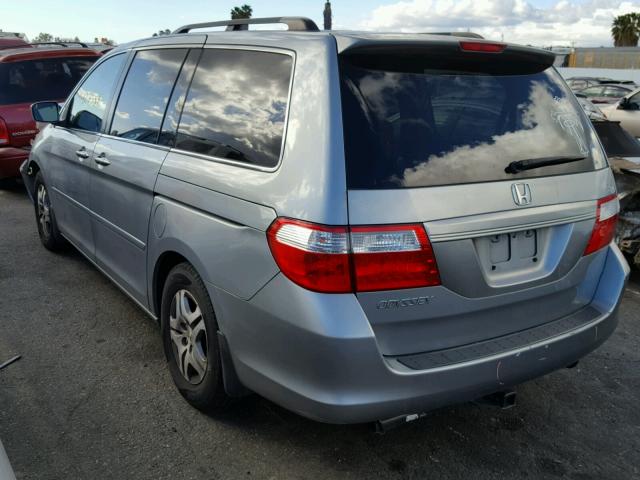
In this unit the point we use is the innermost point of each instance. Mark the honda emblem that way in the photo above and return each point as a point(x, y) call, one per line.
point(521, 194)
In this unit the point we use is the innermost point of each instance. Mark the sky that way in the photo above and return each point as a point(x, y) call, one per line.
point(535, 22)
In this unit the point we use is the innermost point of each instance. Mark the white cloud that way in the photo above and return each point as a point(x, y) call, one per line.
point(586, 24)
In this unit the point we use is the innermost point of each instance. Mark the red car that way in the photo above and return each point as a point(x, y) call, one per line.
point(12, 41)
point(29, 75)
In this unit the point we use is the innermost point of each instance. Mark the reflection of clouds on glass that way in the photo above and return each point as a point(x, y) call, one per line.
point(379, 86)
point(92, 99)
point(539, 117)
point(146, 91)
point(154, 111)
point(238, 100)
point(159, 69)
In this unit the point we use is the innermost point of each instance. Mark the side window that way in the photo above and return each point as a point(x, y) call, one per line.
point(176, 102)
point(145, 94)
point(89, 104)
point(634, 102)
point(592, 91)
point(236, 106)
point(613, 92)
point(578, 84)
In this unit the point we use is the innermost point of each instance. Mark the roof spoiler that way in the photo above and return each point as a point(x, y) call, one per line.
point(446, 54)
point(296, 24)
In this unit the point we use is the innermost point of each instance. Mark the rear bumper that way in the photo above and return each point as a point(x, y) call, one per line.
point(317, 354)
point(10, 161)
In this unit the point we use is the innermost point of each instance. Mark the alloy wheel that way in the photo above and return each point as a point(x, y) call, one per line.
point(188, 336)
point(44, 210)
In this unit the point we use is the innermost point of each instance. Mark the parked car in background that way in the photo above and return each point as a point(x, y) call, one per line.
point(580, 83)
point(398, 223)
point(623, 151)
point(12, 41)
point(626, 111)
point(592, 111)
point(29, 75)
point(605, 93)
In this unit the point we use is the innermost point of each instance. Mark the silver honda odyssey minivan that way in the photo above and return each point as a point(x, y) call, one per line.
point(356, 226)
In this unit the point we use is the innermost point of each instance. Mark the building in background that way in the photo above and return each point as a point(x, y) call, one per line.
point(606, 57)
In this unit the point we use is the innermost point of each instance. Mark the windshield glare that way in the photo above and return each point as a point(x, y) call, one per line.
point(441, 127)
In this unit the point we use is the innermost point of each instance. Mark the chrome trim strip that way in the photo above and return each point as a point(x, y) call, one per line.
point(135, 142)
point(447, 237)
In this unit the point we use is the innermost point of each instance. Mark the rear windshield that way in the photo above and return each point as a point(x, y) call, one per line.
point(37, 80)
point(427, 127)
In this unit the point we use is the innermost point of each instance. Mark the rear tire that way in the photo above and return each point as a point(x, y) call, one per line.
point(48, 231)
point(190, 339)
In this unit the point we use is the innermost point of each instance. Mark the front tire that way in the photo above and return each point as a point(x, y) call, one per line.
point(48, 231)
point(190, 339)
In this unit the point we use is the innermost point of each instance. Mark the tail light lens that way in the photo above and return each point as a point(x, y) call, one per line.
point(605, 227)
point(392, 257)
point(348, 259)
point(4, 133)
point(485, 47)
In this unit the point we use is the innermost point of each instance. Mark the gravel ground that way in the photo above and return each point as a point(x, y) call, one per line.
point(91, 398)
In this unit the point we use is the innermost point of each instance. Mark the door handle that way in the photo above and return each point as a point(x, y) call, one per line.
point(82, 153)
point(101, 159)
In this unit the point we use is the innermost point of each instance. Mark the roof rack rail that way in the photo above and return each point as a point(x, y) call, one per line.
point(296, 24)
point(60, 44)
point(457, 34)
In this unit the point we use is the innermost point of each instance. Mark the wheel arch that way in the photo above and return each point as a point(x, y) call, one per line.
point(164, 263)
point(29, 177)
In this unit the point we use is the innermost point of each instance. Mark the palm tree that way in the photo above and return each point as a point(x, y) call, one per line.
point(245, 11)
point(625, 30)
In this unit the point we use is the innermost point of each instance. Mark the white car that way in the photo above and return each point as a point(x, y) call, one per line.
point(627, 112)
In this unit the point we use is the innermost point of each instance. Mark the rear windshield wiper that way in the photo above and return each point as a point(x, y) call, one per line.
point(521, 165)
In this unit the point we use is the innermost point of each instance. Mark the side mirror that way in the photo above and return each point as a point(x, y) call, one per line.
point(47, 112)
point(623, 104)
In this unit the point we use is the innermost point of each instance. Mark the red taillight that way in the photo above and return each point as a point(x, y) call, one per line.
point(482, 47)
point(4, 133)
point(392, 257)
point(605, 227)
point(348, 259)
point(313, 256)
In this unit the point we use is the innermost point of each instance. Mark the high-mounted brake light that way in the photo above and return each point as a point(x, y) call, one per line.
point(4, 133)
point(485, 47)
point(348, 259)
point(605, 227)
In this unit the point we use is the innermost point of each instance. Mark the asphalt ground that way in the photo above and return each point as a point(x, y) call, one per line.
point(92, 398)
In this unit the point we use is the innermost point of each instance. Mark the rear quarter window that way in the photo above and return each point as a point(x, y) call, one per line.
point(236, 106)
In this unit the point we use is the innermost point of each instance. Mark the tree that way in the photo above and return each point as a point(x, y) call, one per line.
point(245, 11)
point(625, 30)
point(43, 37)
point(162, 32)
